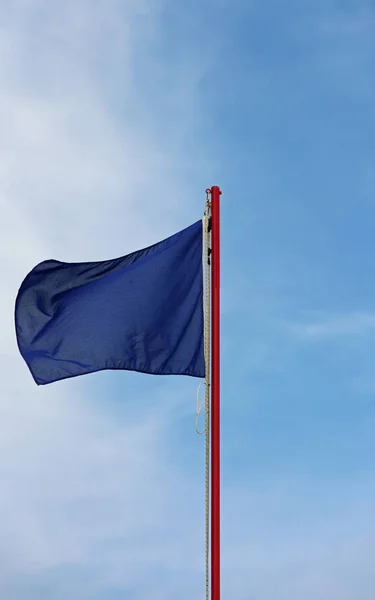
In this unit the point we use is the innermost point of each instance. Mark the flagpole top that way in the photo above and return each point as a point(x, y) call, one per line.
point(213, 189)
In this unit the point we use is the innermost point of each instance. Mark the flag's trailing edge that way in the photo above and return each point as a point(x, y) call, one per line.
point(141, 312)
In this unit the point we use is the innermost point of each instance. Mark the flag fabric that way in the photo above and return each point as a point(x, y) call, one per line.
point(141, 312)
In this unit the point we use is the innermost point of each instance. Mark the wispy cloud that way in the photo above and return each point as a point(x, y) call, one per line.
point(83, 178)
point(331, 326)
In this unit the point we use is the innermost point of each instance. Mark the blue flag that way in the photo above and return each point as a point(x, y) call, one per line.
point(141, 312)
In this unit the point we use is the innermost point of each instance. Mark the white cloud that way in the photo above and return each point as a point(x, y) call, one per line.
point(81, 178)
point(333, 326)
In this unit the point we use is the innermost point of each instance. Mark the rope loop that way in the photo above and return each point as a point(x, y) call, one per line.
point(199, 409)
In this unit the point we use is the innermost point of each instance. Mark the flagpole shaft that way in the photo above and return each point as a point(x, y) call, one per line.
point(215, 395)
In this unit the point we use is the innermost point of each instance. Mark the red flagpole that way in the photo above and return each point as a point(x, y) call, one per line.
point(215, 395)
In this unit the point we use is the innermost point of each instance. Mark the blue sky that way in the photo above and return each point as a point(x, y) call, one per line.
point(114, 118)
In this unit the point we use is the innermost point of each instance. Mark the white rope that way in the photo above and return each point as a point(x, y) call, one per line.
point(205, 402)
